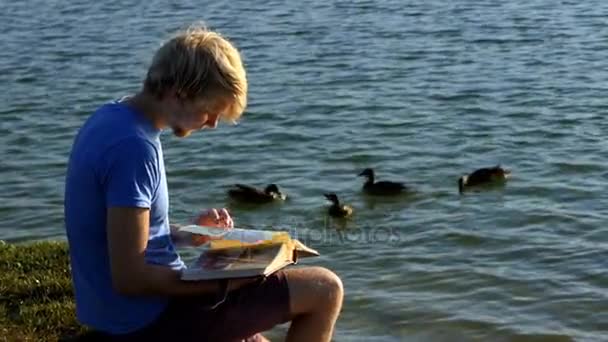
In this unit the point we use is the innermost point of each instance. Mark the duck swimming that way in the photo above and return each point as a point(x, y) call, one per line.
point(246, 193)
point(385, 188)
point(482, 176)
point(336, 209)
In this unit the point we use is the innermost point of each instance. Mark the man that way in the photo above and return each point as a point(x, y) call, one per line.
point(125, 268)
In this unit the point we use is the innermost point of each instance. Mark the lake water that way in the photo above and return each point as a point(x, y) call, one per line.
point(422, 91)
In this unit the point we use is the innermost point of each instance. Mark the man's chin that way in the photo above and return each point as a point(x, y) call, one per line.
point(181, 133)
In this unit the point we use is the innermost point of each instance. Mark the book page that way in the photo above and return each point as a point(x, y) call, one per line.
point(236, 258)
point(236, 237)
point(240, 238)
point(237, 263)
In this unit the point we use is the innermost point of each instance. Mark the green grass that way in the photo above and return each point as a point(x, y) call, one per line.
point(36, 297)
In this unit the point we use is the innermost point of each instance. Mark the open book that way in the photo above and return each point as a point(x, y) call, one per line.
point(241, 253)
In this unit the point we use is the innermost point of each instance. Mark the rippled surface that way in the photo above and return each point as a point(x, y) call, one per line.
point(422, 91)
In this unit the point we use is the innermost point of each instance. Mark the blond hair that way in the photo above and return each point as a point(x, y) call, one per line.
point(200, 64)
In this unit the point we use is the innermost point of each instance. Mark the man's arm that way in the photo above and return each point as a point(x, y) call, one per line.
point(127, 234)
point(130, 175)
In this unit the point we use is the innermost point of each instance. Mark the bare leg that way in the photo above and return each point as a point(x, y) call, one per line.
point(315, 295)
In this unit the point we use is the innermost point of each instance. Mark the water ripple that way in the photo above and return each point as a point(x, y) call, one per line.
point(421, 91)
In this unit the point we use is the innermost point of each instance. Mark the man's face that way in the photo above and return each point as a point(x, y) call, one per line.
point(190, 116)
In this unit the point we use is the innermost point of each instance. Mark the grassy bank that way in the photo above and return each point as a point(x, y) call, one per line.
point(36, 298)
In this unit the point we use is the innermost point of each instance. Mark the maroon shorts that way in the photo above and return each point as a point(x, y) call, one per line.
point(247, 311)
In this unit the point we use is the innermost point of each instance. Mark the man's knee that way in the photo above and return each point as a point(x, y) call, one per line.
point(332, 284)
point(314, 288)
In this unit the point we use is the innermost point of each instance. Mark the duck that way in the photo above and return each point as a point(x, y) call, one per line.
point(336, 209)
point(250, 194)
point(483, 176)
point(385, 188)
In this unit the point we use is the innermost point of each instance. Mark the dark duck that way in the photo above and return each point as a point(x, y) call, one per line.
point(249, 194)
point(336, 209)
point(483, 176)
point(382, 188)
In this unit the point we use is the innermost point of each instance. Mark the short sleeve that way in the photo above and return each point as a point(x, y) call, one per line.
point(130, 173)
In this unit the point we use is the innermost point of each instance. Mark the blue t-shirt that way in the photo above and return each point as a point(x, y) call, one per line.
point(116, 161)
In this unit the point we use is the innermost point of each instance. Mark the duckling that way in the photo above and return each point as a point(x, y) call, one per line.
point(336, 209)
point(246, 193)
point(380, 188)
point(483, 176)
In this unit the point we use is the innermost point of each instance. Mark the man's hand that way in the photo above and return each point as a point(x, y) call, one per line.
point(214, 218)
point(211, 218)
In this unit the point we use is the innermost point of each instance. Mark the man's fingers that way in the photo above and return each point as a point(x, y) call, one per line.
point(229, 223)
point(226, 218)
point(225, 214)
point(214, 215)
